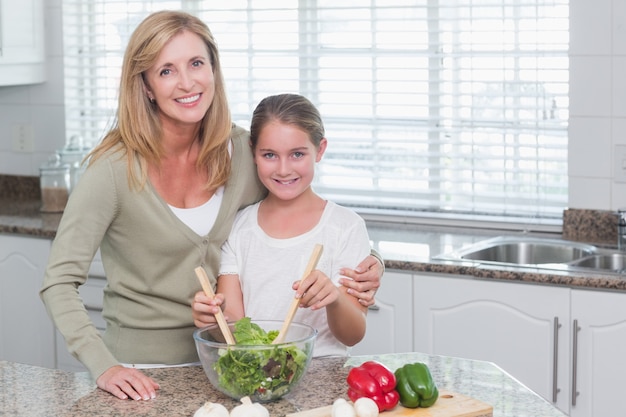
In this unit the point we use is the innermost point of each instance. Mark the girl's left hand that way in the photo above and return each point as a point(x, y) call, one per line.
point(363, 282)
point(316, 291)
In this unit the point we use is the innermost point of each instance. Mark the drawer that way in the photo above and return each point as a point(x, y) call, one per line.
point(96, 318)
point(92, 292)
point(96, 269)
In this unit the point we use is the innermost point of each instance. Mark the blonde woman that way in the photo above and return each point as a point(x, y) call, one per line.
point(158, 198)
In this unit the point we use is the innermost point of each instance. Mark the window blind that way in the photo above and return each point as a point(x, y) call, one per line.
point(454, 106)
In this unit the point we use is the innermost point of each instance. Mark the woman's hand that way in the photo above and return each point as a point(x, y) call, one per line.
point(204, 309)
point(363, 282)
point(127, 383)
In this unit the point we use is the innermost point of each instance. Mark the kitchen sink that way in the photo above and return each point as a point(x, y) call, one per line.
point(541, 253)
point(615, 261)
point(522, 250)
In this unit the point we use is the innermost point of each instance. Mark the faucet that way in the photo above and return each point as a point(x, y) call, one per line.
point(621, 229)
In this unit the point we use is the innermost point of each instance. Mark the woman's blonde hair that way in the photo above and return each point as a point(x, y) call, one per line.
point(137, 129)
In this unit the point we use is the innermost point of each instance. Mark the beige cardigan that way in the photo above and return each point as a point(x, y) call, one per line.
point(149, 257)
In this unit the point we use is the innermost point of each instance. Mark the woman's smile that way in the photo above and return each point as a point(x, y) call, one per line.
point(189, 100)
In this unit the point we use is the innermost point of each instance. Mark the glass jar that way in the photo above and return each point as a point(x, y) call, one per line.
point(73, 154)
point(55, 184)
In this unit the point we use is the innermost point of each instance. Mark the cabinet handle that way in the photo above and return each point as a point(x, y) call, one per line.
point(576, 329)
point(555, 357)
point(373, 307)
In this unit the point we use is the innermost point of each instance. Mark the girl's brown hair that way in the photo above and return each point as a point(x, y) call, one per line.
point(292, 109)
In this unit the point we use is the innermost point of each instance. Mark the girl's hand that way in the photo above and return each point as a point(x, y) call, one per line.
point(204, 309)
point(127, 383)
point(363, 282)
point(316, 291)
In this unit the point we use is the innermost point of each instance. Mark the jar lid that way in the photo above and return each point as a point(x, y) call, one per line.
point(74, 151)
point(54, 164)
point(75, 143)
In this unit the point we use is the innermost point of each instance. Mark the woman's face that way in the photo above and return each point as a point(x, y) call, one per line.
point(181, 81)
point(285, 159)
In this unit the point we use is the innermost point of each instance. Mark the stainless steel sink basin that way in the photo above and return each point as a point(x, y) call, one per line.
point(523, 251)
point(541, 253)
point(615, 261)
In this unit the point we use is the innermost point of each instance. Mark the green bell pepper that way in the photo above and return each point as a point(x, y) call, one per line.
point(415, 385)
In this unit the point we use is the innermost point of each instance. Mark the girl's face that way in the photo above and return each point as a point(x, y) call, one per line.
point(285, 159)
point(181, 81)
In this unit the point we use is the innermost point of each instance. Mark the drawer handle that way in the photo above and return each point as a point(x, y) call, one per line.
point(555, 356)
point(575, 393)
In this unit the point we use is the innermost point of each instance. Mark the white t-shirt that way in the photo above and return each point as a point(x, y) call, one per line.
point(267, 267)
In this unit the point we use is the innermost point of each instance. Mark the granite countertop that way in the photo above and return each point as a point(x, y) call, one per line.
point(33, 391)
point(23, 217)
point(405, 247)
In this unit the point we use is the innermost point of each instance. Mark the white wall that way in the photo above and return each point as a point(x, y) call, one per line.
point(597, 103)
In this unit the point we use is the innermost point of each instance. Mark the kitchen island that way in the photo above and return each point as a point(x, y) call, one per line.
point(31, 391)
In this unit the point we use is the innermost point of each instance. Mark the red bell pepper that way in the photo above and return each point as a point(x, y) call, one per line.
point(373, 380)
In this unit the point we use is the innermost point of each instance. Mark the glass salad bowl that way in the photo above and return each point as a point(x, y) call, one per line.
point(254, 367)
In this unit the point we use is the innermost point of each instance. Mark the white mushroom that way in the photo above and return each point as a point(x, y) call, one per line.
point(365, 407)
point(342, 408)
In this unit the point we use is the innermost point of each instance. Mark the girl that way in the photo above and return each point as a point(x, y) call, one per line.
point(272, 240)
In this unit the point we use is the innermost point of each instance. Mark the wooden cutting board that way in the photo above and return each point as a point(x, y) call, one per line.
point(449, 404)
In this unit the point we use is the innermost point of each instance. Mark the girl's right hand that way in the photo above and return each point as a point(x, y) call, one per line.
point(204, 309)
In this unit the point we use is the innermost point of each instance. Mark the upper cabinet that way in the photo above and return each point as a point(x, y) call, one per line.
point(22, 51)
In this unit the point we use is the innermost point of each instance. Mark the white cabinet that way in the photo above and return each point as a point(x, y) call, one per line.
point(390, 320)
point(515, 326)
point(22, 48)
point(528, 330)
point(600, 378)
point(26, 332)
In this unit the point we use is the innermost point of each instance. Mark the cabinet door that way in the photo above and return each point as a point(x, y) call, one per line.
point(600, 364)
point(27, 333)
point(509, 324)
point(22, 52)
point(390, 320)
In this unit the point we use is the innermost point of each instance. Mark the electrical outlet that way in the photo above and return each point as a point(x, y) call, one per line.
point(619, 163)
point(22, 138)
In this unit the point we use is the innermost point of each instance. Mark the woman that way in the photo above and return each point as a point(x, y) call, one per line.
point(158, 198)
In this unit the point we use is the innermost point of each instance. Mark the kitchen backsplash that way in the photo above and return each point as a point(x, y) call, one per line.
point(16, 187)
point(592, 226)
point(582, 225)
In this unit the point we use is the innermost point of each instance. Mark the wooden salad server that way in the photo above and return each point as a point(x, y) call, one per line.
point(315, 257)
point(208, 290)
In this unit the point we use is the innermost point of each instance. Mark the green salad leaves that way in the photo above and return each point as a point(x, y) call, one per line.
point(265, 373)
